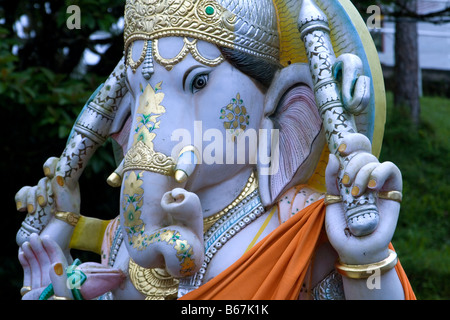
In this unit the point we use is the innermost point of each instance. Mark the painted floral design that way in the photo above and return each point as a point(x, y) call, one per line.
point(235, 116)
point(132, 202)
point(148, 112)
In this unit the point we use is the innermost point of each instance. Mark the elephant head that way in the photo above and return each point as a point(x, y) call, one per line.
point(211, 104)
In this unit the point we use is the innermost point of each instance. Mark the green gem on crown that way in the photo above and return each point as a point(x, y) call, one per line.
point(209, 10)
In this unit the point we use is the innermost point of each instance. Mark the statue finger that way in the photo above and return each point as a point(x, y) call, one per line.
point(362, 179)
point(26, 272)
point(58, 277)
point(354, 142)
point(41, 192)
point(35, 268)
point(50, 167)
point(31, 200)
point(386, 177)
point(21, 199)
point(354, 165)
point(54, 251)
point(41, 256)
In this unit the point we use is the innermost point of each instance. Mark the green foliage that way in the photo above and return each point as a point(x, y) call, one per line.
point(39, 101)
point(45, 40)
point(422, 237)
point(52, 100)
point(39, 108)
point(95, 14)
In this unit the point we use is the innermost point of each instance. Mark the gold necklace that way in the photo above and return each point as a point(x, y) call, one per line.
point(251, 186)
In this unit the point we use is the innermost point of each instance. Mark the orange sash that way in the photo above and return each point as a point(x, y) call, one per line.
point(274, 268)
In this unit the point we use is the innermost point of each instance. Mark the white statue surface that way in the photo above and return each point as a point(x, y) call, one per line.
point(250, 132)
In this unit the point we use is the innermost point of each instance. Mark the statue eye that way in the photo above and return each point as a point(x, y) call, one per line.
point(200, 82)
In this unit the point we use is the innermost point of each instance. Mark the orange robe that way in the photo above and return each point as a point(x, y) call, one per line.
point(274, 269)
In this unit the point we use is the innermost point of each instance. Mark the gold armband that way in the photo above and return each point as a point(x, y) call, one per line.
point(88, 234)
point(331, 199)
point(68, 217)
point(364, 271)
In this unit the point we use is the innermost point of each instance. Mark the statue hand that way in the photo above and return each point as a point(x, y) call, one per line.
point(38, 202)
point(44, 263)
point(29, 199)
point(365, 173)
point(51, 191)
point(50, 195)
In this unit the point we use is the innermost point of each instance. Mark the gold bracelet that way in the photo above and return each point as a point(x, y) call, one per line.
point(331, 199)
point(391, 195)
point(364, 271)
point(68, 217)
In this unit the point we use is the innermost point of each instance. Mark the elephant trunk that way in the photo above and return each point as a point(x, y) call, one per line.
point(163, 223)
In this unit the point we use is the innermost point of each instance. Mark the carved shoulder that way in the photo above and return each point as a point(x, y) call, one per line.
point(296, 199)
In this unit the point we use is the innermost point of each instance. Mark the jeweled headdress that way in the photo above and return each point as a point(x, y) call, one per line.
point(248, 26)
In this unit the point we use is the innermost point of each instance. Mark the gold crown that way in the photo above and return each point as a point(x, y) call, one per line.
point(200, 19)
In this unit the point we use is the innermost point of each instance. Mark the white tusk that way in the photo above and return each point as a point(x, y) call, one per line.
point(186, 163)
point(115, 179)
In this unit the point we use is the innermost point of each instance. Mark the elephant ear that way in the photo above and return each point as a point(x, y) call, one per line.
point(348, 34)
point(291, 111)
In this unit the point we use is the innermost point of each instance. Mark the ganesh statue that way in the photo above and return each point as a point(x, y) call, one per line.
point(248, 135)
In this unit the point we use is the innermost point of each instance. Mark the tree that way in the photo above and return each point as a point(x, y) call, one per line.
point(406, 70)
point(44, 40)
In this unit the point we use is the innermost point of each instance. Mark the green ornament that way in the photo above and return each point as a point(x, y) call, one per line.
point(209, 10)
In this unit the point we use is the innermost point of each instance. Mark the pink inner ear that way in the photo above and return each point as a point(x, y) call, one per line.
point(123, 136)
point(299, 123)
